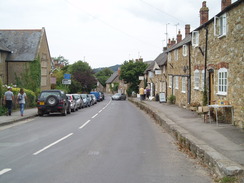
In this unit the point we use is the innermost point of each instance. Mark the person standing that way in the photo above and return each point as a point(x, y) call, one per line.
point(8, 98)
point(141, 92)
point(21, 100)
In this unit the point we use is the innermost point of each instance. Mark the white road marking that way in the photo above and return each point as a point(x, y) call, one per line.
point(5, 171)
point(94, 115)
point(45, 148)
point(100, 111)
point(84, 124)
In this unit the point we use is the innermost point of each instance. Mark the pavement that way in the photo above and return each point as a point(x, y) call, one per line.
point(220, 147)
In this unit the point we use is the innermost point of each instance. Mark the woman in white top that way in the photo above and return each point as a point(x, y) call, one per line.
point(21, 100)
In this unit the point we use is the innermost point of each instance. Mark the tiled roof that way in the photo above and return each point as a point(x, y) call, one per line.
point(186, 40)
point(112, 77)
point(22, 43)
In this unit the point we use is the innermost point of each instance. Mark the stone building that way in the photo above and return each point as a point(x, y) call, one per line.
point(20, 48)
point(217, 58)
point(114, 80)
point(179, 67)
point(155, 75)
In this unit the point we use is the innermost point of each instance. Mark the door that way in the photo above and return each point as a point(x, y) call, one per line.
point(211, 87)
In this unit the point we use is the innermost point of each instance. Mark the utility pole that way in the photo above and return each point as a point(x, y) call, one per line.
point(176, 27)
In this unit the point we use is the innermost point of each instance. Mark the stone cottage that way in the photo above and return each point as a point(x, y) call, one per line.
point(155, 75)
point(114, 80)
point(19, 49)
point(179, 67)
point(217, 58)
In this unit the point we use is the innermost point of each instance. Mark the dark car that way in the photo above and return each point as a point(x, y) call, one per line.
point(119, 96)
point(53, 101)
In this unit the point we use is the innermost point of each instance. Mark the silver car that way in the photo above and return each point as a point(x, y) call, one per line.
point(79, 100)
point(73, 104)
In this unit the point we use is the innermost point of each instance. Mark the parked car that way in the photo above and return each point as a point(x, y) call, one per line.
point(73, 104)
point(53, 101)
point(86, 100)
point(119, 96)
point(79, 100)
point(97, 94)
point(93, 99)
point(103, 96)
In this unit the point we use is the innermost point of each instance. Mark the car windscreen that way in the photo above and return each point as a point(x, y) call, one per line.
point(44, 95)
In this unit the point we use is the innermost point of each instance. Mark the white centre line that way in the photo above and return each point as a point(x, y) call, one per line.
point(100, 111)
point(84, 124)
point(94, 115)
point(45, 148)
point(5, 171)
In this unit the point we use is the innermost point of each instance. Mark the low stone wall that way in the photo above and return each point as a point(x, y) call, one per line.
point(219, 165)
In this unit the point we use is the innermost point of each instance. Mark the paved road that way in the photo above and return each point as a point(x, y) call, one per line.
point(111, 142)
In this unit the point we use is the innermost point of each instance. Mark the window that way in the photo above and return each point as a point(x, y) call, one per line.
point(176, 82)
point(220, 26)
point(196, 79)
point(169, 57)
point(176, 54)
point(183, 88)
point(202, 79)
point(184, 50)
point(170, 81)
point(195, 38)
point(222, 81)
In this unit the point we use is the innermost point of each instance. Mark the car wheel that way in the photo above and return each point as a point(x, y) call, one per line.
point(64, 112)
point(52, 100)
point(69, 110)
point(40, 113)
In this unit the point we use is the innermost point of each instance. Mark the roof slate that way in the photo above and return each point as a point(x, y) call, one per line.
point(22, 43)
point(112, 77)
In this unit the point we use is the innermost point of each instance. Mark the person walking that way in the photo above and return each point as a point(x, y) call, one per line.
point(8, 99)
point(21, 100)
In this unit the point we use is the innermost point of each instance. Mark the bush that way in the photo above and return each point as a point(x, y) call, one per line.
point(172, 99)
point(3, 110)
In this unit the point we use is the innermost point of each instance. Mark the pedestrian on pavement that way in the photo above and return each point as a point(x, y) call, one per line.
point(148, 93)
point(21, 100)
point(141, 92)
point(8, 99)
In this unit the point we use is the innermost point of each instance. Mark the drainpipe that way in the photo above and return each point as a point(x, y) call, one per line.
point(7, 72)
point(205, 68)
point(189, 79)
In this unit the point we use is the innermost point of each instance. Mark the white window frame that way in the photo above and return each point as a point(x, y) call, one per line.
point(183, 83)
point(176, 54)
point(220, 25)
point(196, 79)
point(184, 50)
point(202, 79)
point(195, 38)
point(170, 81)
point(222, 81)
point(169, 56)
point(176, 83)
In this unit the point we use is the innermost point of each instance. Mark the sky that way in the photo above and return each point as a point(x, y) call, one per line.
point(105, 32)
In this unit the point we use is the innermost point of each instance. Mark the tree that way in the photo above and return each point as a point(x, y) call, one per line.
point(82, 77)
point(103, 75)
point(61, 60)
point(130, 72)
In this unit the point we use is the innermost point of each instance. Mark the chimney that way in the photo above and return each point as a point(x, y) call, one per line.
point(173, 42)
point(169, 43)
point(225, 3)
point(179, 37)
point(203, 13)
point(187, 29)
point(164, 49)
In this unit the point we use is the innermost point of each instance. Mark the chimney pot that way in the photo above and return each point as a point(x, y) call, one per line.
point(203, 13)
